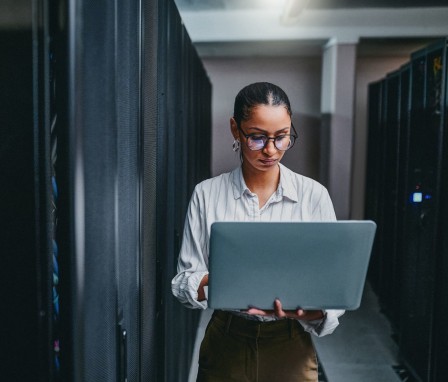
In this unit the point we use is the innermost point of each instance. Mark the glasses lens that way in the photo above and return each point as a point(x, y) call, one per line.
point(283, 142)
point(256, 142)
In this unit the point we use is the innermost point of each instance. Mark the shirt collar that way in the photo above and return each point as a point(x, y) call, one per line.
point(285, 189)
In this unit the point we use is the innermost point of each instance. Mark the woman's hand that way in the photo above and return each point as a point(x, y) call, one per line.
point(201, 292)
point(299, 314)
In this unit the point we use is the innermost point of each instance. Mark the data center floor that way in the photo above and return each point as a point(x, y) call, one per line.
point(361, 348)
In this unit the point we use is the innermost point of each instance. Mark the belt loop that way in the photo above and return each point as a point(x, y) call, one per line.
point(229, 320)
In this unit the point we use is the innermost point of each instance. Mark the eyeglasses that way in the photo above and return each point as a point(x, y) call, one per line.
point(282, 142)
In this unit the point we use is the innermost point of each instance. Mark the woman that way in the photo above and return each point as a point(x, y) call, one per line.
point(254, 345)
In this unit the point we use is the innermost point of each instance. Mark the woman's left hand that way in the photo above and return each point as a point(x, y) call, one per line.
point(299, 314)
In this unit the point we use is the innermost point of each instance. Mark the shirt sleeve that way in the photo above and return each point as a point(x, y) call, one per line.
point(323, 209)
point(326, 325)
point(192, 264)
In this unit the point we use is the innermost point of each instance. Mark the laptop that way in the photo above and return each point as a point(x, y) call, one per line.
point(311, 265)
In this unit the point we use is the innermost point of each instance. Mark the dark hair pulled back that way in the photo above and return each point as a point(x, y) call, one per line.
point(258, 93)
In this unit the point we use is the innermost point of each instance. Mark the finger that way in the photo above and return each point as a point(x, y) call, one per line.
point(278, 309)
point(301, 313)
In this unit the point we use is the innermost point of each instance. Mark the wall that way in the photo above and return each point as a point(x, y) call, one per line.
point(300, 78)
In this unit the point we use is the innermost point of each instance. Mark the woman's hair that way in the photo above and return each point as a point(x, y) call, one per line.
point(259, 93)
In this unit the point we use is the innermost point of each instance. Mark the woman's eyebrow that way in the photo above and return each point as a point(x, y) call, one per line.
point(264, 131)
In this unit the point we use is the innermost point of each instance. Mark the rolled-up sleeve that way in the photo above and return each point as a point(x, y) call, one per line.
point(192, 264)
point(326, 325)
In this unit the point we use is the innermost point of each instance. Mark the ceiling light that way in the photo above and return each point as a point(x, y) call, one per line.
point(292, 10)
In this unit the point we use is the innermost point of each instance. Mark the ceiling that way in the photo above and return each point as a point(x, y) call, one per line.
point(198, 5)
point(238, 28)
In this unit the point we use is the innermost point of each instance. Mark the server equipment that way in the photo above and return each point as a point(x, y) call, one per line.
point(411, 254)
point(374, 172)
point(106, 131)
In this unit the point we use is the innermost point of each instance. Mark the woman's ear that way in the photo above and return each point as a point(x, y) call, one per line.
point(234, 128)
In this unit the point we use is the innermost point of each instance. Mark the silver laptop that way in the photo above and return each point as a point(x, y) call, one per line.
point(311, 265)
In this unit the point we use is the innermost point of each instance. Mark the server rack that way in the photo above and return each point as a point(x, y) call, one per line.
point(413, 256)
point(402, 195)
point(420, 221)
point(106, 109)
point(392, 128)
point(30, 116)
point(373, 169)
point(440, 350)
point(184, 142)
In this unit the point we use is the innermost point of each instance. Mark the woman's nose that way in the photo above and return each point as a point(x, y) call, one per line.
point(270, 147)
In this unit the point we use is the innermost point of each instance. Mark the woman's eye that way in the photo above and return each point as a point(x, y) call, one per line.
point(258, 137)
point(280, 137)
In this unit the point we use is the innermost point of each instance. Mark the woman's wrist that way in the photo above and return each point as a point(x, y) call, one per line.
point(201, 291)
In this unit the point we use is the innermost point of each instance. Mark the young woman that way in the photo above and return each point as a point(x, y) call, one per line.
point(254, 345)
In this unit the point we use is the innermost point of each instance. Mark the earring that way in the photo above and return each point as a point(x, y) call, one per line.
point(236, 145)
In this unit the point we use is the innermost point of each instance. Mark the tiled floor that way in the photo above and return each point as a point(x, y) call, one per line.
point(360, 350)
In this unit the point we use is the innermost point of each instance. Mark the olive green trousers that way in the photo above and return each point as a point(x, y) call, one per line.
point(236, 349)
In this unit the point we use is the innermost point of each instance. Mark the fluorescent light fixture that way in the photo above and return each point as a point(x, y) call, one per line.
point(292, 10)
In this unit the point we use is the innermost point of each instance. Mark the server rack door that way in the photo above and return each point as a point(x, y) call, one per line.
point(128, 178)
point(440, 332)
point(402, 196)
point(420, 221)
point(175, 180)
point(388, 291)
point(373, 171)
point(150, 345)
point(25, 197)
point(93, 146)
point(105, 175)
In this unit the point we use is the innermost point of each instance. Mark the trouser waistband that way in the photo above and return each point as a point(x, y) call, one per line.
point(238, 325)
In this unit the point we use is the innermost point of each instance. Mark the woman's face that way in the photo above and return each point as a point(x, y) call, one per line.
point(270, 121)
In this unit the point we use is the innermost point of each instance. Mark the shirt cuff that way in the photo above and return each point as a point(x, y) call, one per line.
point(325, 325)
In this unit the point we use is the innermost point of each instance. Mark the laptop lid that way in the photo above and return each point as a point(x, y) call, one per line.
point(311, 265)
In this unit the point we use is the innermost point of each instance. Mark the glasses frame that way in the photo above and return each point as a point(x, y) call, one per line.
point(247, 136)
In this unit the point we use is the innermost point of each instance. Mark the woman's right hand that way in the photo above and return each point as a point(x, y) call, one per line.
point(201, 291)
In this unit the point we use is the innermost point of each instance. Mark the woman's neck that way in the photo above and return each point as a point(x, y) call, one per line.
point(261, 182)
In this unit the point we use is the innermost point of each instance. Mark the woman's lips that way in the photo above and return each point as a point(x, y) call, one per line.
point(268, 162)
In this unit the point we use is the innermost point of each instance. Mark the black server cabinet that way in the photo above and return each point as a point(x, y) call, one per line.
point(382, 187)
point(402, 199)
point(440, 350)
point(389, 190)
point(92, 230)
point(25, 202)
point(406, 184)
point(32, 79)
point(373, 208)
point(102, 250)
point(184, 138)
point(420, 271)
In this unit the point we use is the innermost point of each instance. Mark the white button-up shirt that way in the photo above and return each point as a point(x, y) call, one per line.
point(227, 198)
